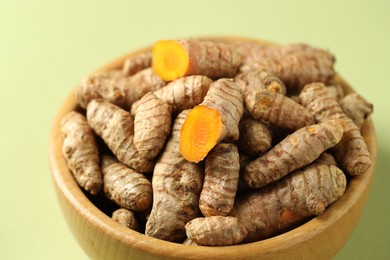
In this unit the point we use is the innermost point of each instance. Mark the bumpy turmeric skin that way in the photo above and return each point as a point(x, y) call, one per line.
point(126, 187)
point(296, 64)
point(216, 231)
point(152, 125)
point(81, 152)
point(115, 126)
point(295, 151)
point(351, 152)
point(116, 87)
point(222, 169)
point(278, 110)
point(176, 187)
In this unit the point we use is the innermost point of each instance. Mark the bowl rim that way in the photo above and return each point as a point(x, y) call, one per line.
point(357, 190)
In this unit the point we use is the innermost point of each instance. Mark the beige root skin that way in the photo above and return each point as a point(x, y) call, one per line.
point(126, 218)
point(278, 110)
point(222, 170)
point(136, 63)
point(183, 93)
point(81, 152)
point(126, 187)
point(295, 65)
point(176, 187)
point(336, 90)
point(351, 153)
point(259, 80)
point(175, 59)
point(115, 126)
point(214, 120)
point(254, 51)
point(297, 150)
point(255, 137)
point(285, 203)
point(356, 108)
point(107, 85)
point(251, 51)
point(327, 158)
point(117, 88)
point(152, 125)
point(216, 231)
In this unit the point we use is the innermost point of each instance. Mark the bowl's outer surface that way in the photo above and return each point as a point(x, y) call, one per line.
point(102, 238)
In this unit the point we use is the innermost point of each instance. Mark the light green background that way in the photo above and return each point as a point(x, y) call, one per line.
point(47, 46)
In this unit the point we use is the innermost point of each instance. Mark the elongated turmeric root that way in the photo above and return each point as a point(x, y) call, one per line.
point(182, 93)
point(81, 152)
point(176, 187)
point(295, 65)
point(117, 88)
point(351, 153)
point(215, 119)
point(173, 59)
point(185, 93)
point(297, 150)
point(222, 170)
point(287, 202)
point(278, 110)
point(115, 126)
point(216, 231)
point(152, 125)
point(126, 187)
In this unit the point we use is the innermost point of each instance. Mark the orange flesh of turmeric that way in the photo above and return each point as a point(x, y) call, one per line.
point(200, 133)
point(170, 60)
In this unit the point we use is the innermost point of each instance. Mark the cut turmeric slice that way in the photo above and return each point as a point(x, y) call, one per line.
point(214, 120)
point(170, 60)
point(200, 133)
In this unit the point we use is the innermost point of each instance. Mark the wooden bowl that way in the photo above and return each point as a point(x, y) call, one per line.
point(102, 238)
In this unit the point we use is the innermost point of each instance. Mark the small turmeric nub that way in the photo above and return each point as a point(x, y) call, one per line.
point(126, 218)
point(216, 231)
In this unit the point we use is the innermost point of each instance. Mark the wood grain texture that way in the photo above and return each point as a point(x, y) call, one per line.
point(103, 238)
